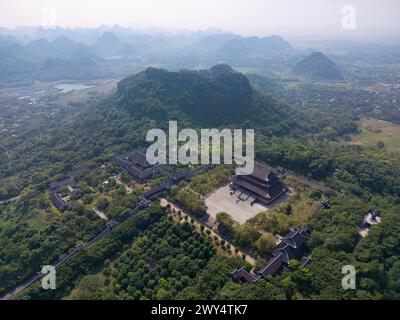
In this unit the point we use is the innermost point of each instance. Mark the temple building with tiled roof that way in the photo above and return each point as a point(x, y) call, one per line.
point(263, 183)
point(291, 247)
point(59, 202)
point(136, 164)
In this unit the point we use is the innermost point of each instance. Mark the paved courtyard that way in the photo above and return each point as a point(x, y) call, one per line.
point(238, 205)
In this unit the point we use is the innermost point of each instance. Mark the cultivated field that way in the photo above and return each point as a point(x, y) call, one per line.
point(99, 89)
point(375, 131)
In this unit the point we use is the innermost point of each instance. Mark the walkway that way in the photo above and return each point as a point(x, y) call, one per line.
point(10, 200)
point(101, 214)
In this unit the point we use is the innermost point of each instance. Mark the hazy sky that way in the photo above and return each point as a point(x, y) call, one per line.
point(248, 17)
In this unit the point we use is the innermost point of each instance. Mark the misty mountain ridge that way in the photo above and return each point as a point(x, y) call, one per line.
point(111, 53)
point(6, 40)
point(254, 45)
point(54, 60)
point(109, 45)
point(15, 59)
point(61, 48)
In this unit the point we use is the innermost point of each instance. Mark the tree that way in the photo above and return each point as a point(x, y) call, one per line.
point(380, 144)
point(192, 202)
point(161, 294)
point(266, 243)
point(246, 235)
point(226, 225)
point(90, 288)
point(393, 287)
point(289, 209)
point(102, 203)
point(316, 195)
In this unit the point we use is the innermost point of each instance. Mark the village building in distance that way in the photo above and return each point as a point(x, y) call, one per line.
point(370, 220)
point(62, 202)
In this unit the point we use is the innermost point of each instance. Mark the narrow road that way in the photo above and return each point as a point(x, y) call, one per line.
point(10, 200)
point(21, 287)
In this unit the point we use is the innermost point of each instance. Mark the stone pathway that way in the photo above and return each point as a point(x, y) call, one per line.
point(101, 214)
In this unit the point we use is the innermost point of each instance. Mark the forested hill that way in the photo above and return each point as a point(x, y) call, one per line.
point(219, 97)
point(208, 97)
point(317, 66)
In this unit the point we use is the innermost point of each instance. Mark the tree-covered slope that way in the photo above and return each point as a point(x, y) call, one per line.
point(317, 66)
point(209, 97)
